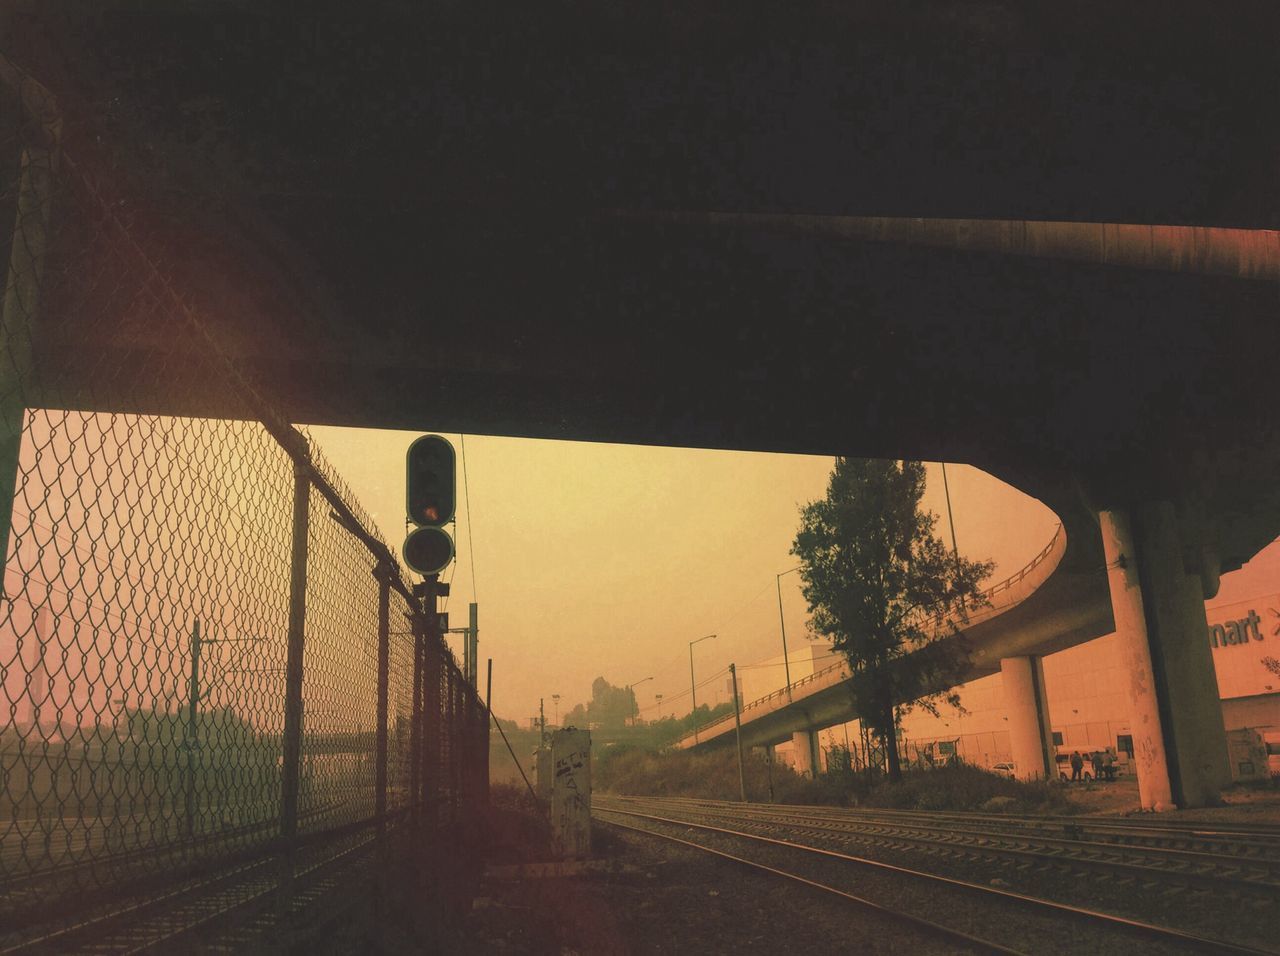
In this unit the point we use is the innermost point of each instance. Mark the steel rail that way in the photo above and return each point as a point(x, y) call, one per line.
point(1248, 835)
point(233, 901)
point(262, 871)
point(51, 885)
point(1151, 930)
point(1245, 846)
point(932, 927)
point(1072, 853)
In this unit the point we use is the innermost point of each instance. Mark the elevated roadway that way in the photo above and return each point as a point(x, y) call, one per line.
point(1059, 599)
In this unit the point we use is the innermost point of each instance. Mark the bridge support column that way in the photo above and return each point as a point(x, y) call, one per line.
point(1030, 737)
point(805, 744)
point(1179, 743)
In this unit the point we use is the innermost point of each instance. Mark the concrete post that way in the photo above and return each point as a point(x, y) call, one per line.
point(1155, 792)
point(1182, 660)
point(804, 743)
point(571, 793)
point(1176, 718)
point(1030, 737)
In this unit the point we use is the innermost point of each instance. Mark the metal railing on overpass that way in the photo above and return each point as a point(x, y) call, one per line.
point(206, 652)
point(995, 599)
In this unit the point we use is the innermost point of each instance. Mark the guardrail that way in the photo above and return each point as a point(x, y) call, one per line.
point(990, 606)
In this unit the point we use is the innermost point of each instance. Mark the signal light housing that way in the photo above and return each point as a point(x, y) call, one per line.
point(430, 495)
point(430, 498)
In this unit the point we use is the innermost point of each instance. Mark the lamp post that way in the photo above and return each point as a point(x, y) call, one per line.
point(555, 700)
point(635, 706)
point(693, 687)
point(782, 623)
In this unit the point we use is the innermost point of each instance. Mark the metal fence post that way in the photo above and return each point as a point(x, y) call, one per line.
point(456, 737)
point(486, 729)
point(415, 730)
point(193, 730)
point(383, 575)
point(431, 708)
point(292, 743)
point(18, 319)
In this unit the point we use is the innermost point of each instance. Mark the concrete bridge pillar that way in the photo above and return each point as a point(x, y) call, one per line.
point(1030, 737)
point(1180, 746)
point(805, 745)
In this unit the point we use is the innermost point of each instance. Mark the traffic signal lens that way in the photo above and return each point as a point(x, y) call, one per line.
point(429, 485)
point(428, 550)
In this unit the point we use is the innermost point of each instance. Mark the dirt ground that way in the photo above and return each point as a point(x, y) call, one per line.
point(1258, 804)
point(643, 897)
point(638, 896)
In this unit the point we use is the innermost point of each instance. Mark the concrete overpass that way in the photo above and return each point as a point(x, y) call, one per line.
point(1041, 242)
point(1050, 604)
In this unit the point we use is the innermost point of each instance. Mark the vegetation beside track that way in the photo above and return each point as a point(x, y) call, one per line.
point(637, 772)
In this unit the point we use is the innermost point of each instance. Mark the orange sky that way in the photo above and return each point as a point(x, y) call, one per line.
point(606, 560)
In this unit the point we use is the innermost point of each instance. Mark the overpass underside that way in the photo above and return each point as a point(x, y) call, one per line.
point(1048, 254)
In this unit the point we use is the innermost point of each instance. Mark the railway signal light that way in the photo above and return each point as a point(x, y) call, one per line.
point(428, 550)
point(429, 502)
point(429, 482)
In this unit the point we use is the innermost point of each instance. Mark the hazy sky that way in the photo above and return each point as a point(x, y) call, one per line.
point(606, 560)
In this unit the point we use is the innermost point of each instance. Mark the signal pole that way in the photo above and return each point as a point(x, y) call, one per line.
point(473, 637)
point(693, 687)
point(737, 726)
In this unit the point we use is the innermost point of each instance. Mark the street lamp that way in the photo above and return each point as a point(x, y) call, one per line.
point(782, 623)
point(693, 687)
point(634, 704)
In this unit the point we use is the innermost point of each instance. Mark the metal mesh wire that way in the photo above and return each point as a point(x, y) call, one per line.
point(145, 619)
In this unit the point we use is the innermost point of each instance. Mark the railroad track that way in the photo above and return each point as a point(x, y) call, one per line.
point(238, 901)
point(1244, 863)
point(762, 828)
point(41, 894)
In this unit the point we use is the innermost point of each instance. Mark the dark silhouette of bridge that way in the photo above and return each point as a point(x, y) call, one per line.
point(1036, 241)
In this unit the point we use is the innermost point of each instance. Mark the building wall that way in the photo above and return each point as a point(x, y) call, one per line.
point(763, 678)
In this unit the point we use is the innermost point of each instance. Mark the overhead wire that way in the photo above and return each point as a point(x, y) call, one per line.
point(471, 546)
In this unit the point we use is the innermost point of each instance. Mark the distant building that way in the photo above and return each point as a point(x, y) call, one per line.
point(767, 677)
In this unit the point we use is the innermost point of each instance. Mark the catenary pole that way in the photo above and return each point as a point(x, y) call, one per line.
point(737, 726)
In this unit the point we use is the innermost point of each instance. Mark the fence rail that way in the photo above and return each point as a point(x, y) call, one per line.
point(205, 649)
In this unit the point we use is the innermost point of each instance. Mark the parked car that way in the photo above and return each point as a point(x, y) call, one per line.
point(1004, 769)
point(1272, 740)
point(1064, 767)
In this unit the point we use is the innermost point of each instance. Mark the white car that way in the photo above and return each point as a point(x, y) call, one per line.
point(1005, 769)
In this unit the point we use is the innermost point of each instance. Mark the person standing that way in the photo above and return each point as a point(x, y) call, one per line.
point(1077, 764)
point(1096, 759)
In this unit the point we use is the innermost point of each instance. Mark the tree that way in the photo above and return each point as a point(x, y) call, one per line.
point(610, 707)
point(886, 591)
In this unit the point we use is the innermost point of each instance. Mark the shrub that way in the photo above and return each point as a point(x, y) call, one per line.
point(714, 775)
point(965, 787)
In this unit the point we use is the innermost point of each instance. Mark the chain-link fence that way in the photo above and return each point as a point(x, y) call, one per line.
point(207, 658)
